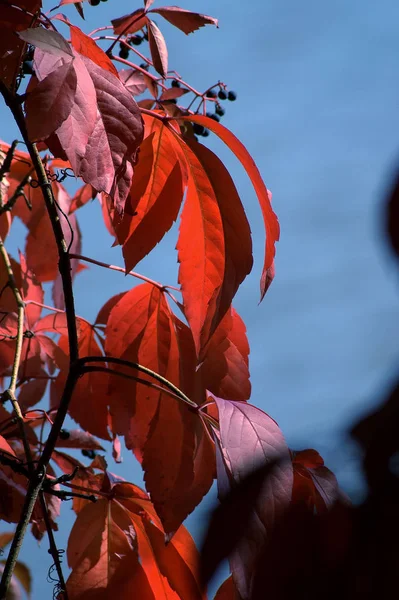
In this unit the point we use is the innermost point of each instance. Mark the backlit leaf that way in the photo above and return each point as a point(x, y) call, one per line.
point(201, 251)
point(130, 23)
point(271, 223)
point(184, 20)
point(159, 52)
point(249, 438)
point(224, 370)
point(155, 196)
point(86, 46)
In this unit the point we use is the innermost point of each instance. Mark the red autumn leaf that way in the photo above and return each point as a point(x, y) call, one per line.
point(133, 80)
point(32, 293)
point(101, 135)
point(224, 370)
point(237, 234)
point(5, 446)
point(104, 312)
point(130, 23)
point(201, 251)
point(159, 52)
point(32, 391)
point(185, 20)
point(49, 104)
point(82, 197)
point(14, 17)
point(269, 217)
point(116, 533)
point(227, 590)
point(172, 93)
point(49, 41)
point(249, 438)
point(5, 224)
point(178, 561)
point(86, 46)
point(314, 483)
point(89, 404)
point(155, 196)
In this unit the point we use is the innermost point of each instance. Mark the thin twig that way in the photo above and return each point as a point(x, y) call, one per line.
point(19, 191)
point(9, 394)
point(64, 266)
point(139, 380)
point(137, 367)
point(122, 270)
point(53, 550)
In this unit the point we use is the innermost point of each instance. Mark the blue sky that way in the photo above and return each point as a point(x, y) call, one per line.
point(317, 107)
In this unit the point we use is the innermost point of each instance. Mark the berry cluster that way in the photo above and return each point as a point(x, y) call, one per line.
point(89, 453)
point(219, 110)
point(96, 2)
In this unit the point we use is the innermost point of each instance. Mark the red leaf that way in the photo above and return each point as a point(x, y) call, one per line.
point(32, 291)
point(237, 234)
point(5, 222)
point(5, 446)
point(249, 438)
point(269, 217)
point(314, 484)
point(89, 405)
point(224, 371)
point(32, 392)
point(14, 17)
point(177, 561)
point(130, 23)
point(227, 590)
point(133, 80)
point(49, 41)
point(49, 104)
point(172, 93)
point(201, 251)
point(82, 197)
point(155, 196)
point(185, 20)
point(159, 52)
point(86, 46)
point(104, 312)
point(104, 117)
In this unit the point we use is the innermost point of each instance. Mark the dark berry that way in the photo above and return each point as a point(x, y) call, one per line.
point(222, 95)
point(211, 94)
point(209, 114)
point(27, 67)
point(232, 96)
point(124, 52)
point(103, 0)
point(94, 2)
point(136, 40)
point(198, 129)
point(219, 110)
point(85, 452)
point(215, 118)
point(175, 83)
point(144, 66)
point(64, 434)
point(206, 133)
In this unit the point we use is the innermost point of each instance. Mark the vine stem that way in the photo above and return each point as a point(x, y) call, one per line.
point(53, 547)
point(64, 266)
point(9, 394)
point(137, 367)
point(122, 270)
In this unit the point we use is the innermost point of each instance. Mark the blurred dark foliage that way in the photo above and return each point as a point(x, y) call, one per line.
point(316, 548)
